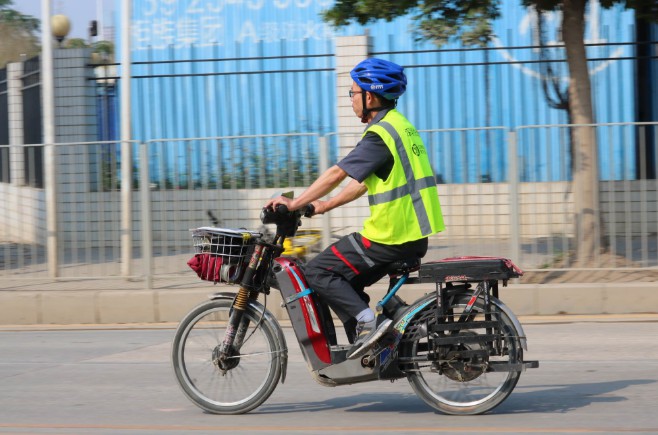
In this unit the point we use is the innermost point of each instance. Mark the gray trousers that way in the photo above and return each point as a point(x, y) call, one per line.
point(340, 273)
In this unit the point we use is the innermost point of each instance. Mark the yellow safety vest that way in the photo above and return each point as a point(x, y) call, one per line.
point(404, 207)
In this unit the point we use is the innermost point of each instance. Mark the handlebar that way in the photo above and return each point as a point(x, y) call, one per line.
point(286, 221)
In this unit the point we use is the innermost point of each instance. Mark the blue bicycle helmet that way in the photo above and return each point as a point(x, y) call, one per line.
point(380, 77)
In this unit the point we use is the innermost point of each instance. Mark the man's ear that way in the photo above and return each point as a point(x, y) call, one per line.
point(370, 98)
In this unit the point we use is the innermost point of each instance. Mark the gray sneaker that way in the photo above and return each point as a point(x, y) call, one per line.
point(367, 336)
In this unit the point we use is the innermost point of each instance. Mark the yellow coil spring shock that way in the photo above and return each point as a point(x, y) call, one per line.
point(241, 299)
point(237, 327)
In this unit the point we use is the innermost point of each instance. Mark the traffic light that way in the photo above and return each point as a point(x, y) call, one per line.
point(93, 28)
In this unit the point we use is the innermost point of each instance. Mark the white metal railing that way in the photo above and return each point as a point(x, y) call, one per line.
point(176, 181)
point(627, 197)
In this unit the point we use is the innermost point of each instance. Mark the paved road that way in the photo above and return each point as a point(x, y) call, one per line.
point(597, 376)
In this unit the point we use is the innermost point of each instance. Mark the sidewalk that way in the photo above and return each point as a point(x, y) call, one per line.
point(120, 301)
point(525, 320)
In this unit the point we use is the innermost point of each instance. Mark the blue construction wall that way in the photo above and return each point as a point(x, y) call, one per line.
point(275, 75)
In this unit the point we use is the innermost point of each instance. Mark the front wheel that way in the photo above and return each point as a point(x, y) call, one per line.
point(222, 388)
point(474, 374)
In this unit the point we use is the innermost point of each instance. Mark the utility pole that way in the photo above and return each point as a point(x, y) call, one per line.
point(49, 154)
point(126, 145)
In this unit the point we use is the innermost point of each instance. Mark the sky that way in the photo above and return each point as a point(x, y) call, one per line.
point(79, 12)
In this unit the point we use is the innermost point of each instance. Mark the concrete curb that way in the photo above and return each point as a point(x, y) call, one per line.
point(153, 306)
point(525, 320)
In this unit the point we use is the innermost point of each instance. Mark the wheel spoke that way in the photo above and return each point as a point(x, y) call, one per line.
point(243, 355)
point(228, 388)
point(464, 384)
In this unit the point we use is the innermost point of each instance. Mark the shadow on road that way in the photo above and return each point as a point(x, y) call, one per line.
point(529, 399)
point(565, 398)
point(375, 402)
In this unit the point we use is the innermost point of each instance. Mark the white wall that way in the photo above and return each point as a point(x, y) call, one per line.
point(470, 211)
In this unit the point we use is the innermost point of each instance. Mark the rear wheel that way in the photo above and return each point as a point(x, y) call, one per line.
point(467, 378)
point(237, 384)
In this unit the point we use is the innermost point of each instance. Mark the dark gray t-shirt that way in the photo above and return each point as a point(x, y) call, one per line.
point(370, 155)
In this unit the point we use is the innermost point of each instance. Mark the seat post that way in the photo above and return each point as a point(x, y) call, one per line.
point(391, 292)
point(398, 272)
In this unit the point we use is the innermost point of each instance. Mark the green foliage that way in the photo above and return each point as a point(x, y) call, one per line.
point(468, 21)
point(644, 9)
point(102, 53)
point(25, 23)
point(365, 11)
point(17, 33)
point(75, 43)
point(443, 21)
point(105, 48)
point(291, 162)
point(542, 5)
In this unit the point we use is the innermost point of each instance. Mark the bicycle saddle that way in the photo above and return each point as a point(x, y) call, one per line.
point(400, 267)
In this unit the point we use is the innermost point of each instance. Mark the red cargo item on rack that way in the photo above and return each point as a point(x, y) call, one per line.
point(207, 266)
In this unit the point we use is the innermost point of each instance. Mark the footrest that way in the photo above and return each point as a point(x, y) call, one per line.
point(531, 364)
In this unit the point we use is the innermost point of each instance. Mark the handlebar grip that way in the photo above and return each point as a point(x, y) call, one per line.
point(309, 210)
point(306, 211)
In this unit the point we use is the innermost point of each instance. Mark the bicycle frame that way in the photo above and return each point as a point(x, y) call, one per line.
point(460, 348)
point(314, 327)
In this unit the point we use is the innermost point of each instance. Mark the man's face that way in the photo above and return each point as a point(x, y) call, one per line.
point(357, 100)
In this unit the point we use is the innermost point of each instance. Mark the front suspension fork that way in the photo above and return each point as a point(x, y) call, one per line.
point(226, 355)
point(238, 324)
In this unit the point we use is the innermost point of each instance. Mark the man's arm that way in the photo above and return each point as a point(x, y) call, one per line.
point(325, 183)
point(351, 192)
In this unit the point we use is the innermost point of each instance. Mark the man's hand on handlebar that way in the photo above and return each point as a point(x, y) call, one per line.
point(286, 221)
point(317, 207)
point(280, 200)
point(307, 210)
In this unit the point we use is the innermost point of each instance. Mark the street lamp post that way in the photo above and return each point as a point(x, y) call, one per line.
point(57, 27)
point(61, 25)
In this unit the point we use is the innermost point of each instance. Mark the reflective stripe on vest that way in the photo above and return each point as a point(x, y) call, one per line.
point(412, 187)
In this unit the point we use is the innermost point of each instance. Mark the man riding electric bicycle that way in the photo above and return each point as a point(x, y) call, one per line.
point(391, 164)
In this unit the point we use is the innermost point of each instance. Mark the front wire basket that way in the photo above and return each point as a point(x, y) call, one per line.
point(221, 254)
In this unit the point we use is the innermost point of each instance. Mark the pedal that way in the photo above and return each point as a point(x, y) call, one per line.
point(368, 360)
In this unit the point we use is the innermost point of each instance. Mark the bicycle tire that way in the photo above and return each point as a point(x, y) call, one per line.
point(245, 386)
point(465, 396)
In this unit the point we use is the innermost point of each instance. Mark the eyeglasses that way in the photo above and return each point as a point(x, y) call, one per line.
point(352, 93)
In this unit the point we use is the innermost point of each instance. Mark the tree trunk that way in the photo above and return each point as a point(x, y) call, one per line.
point(585, 164)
